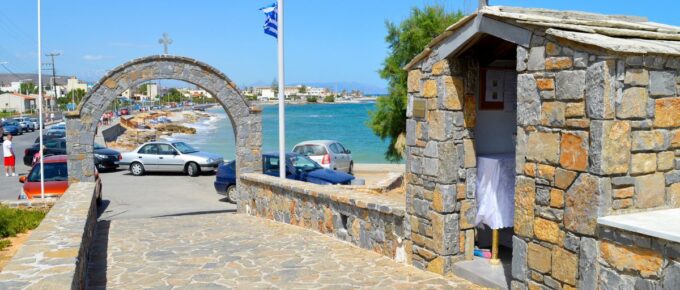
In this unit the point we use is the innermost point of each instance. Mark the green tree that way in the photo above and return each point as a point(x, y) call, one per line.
point(405, 41)
point(312, 99)
point(74, 95)
point(329, 99)
point(174, 95)
point(28, 88)
point(302, 89)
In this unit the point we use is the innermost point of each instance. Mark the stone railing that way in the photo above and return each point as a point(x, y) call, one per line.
point(370, 221)
point(55, 254)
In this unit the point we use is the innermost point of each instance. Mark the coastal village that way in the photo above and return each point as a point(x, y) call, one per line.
point(514, 148)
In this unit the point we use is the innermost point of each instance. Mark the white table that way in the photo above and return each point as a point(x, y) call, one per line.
point(496, 190)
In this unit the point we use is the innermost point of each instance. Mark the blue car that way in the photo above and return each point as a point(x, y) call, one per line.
point(298, 167)
point(11, 127)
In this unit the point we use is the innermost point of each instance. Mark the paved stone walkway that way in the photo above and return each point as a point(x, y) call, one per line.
point(217, 251)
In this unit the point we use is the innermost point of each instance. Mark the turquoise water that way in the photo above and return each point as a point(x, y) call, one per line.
point(343, 122)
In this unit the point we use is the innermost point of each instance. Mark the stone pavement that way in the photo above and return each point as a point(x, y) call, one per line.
point(227, 250)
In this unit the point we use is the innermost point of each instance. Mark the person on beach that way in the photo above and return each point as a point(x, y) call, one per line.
point(8, 154)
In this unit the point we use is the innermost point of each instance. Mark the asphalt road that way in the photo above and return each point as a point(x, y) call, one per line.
point(159, 194)
point(10, 186)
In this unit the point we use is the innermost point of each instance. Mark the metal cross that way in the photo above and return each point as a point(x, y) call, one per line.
point(165, 41)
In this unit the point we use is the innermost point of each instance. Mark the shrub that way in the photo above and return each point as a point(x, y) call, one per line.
point(329, 99)
point(14, 221)
point(311, 99)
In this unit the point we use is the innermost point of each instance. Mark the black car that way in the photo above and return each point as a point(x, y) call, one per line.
point(104, 158)
point(52, 134)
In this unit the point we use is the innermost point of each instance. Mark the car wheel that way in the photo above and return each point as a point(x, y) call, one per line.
point(351, 168)
point(192, 169)
point(231, 192)
point(137, 169)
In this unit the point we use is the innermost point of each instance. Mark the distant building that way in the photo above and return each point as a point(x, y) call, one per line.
point(268, 93)
point(13, 102)
point(151, 90)
point(73, 84)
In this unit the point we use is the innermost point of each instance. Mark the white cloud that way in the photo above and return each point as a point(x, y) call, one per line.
point(90, 57)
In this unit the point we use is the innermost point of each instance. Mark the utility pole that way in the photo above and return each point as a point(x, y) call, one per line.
point(54, 78)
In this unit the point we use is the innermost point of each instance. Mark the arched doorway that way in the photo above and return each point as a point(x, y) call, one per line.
point(82, 123)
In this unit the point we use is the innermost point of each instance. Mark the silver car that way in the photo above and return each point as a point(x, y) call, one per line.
point(170, 157)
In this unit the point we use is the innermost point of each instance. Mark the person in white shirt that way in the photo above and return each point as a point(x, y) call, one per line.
point(8, 154)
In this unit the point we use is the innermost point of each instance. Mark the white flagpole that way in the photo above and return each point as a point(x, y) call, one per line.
point(282, 124)
point(40, 111)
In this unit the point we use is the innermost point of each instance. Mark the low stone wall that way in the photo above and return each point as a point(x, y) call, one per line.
point(370, 221)
point(55, 255)
point(627, 260)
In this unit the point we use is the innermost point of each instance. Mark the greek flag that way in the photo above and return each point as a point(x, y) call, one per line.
point(271, 25)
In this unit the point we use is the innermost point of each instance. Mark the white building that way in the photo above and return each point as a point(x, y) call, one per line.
point(73, 83)
point(13, 102)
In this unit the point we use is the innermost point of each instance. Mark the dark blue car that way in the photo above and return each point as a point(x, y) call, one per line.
point(298, 167)
point(11, 127)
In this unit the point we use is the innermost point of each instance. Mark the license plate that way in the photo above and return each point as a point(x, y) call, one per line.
point(115, 162)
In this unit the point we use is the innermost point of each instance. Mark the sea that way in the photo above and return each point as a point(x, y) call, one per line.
point(345, 123)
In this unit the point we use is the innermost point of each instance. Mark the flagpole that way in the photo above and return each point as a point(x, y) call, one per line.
point(40, 111)
point(282, 124)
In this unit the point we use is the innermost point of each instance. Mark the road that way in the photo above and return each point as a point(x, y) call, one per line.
point(10, 186)
point(159, 194)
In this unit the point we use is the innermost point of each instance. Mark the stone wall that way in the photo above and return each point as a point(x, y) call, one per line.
point(626, 260)
point(82, 123)
point(370, 221)
point(55, 254)
point(597, 134)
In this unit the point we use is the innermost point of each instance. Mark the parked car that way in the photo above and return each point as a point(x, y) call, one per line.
point(123, 111)
point(35, 122)
point(104, 158)
point(59, 126)
point(26, 124)
point(329, 153)
point(12, 127)
point(170, 157)
point(56, 179)
point(52, 134)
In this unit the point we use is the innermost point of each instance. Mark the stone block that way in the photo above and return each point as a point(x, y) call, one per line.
point(525, 196)
point(556, 198)
point(633, 104)
point(444, 233)
point(667, 112)
point(626, 192)
point(642, 163)
point(675, 139)
point(440, 67)
point(610, 147)
point(622, 203)
point(536, 58)
point(552, 49)
point(539, 258)
point(470, 111)
point(546, 172)
point(553, 114)
point(570, 85)
point(454, 92)
point(589, 268)
point(564, 178)
point(674, 195)
point(530, 169)
point(623, 258)
point(543, 147)
point(572, 242)
point(468, 212)
point(413, 82)
point(610, 279)
point(522, 58)
point(519, 259)
point(430, 89)
point(564, 266)
point(542, 196)
point(599, 91)
point(528, 100)
point(441, 125)
point(637, 77)
point(580, 60)
point(558, 63)
point(546, 230)
point(662, 83)
point(575, 110)
point(470, 153)
point(574, 151)
point(655, 140)
point(444, 198)
point(545, 84)
point(586, 200)
point(650, 190)
point(671, 276)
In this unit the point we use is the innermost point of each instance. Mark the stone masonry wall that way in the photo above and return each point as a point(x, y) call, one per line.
point(597, 134)
point(369, 221)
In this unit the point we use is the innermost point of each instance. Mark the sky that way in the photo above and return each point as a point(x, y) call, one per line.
point(326, 42)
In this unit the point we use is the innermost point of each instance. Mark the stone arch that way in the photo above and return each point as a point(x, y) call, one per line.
point(82, 123)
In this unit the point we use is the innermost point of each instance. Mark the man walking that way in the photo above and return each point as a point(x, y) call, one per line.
point(8, 153)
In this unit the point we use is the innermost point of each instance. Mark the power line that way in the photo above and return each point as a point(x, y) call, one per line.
point(54, 77)
point(3, 64)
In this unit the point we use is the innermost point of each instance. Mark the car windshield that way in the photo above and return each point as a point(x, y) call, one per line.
point(97, 146)
point(53, 172)
point(184, 147)
point(314, 150)
point(303, 163)
point(11, 123)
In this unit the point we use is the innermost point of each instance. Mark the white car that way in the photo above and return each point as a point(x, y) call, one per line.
point(26, 124)
point(328, 153)
point(170, 157)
